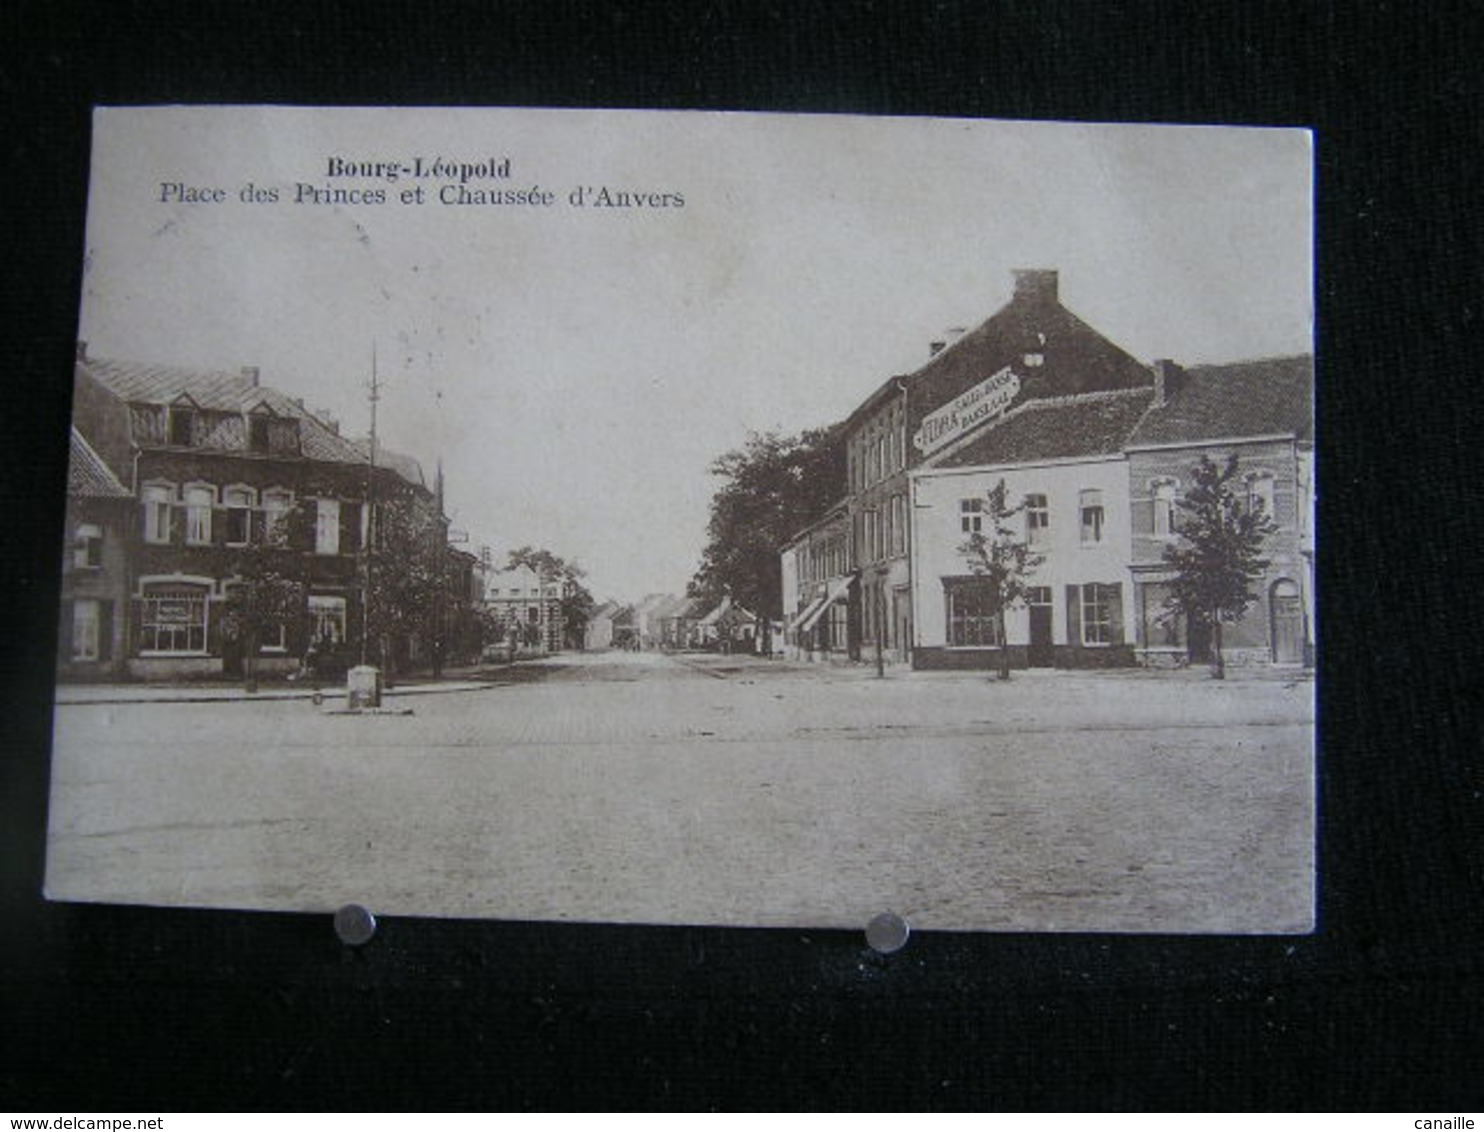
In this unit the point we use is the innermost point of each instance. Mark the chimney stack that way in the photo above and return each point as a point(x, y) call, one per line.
point(1035, 283)
point(250, 373)
point(1167, 379)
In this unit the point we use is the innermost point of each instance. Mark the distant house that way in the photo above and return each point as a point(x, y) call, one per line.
point(598, 633)
point(525, 610)
point(93, 642)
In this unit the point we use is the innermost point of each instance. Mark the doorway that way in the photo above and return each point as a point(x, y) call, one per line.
point(1041, 653)
point(1286, 609)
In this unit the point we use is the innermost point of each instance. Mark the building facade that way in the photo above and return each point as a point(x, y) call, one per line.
point(93, 642)
point(232, 482)
point(1093, 449)
point(1260, 412)
point(818, 582)
point(525, 610)
point(1032, 350)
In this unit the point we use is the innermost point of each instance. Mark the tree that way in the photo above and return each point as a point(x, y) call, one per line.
point(575, 602)
point(266, 594)
point(407, 578)
point(1219, 554)
point(1002, 562)
point(771, 489)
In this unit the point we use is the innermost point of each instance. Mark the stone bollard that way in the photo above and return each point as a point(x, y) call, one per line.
point(363, 685)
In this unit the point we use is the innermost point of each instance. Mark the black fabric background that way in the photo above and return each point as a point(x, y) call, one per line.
point(128, 1008)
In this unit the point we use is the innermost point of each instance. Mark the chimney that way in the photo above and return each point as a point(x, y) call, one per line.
point(250, 375)
point(1035, 283)
point(1167, 380)
point(82, 350)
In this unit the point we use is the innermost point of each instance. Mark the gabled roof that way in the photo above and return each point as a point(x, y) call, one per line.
point(220, 391)
point(152, 384)
point(1069, 357)
point(1265, 397)
point(87, 476)
point(1090, 425)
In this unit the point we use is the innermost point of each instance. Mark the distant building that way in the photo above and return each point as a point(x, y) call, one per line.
point(525, 609)
point(96, 585)
point(598, 632)
point(817, 585)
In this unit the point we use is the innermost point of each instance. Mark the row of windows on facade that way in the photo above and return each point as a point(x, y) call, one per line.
point(829, 558)
point(878, 451)
point(1094, 613)
point(173, 619)
point(882, 532)
point(189, 427)
point(244, 517)
point(1258, 493)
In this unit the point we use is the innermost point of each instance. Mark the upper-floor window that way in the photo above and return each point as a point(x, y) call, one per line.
point(87, 550)
point(1090, 505)
point(899, 524)
point(327, 526)
point(1165, 510)
point(1260, 493)
point(277, 503)
point(971, 516)
point(239, 505)
point(157, 499)
point(259, 436)
point(182, 426)
point(1037, 519)
point(199, 501)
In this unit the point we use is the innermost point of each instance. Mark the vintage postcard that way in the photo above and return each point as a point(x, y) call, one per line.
point(691, 518)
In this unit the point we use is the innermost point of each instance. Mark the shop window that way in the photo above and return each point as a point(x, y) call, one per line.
point(239, 505)
point(1037, 519)
point(172, 619)
point(971, 614)
point(1102, 614)
point(157, 500)
point(971, 516)
point(1090, 505)
point(326, 619)
point(1165, 509)
point(327, 526)
point(87, 548)
point(199, 501)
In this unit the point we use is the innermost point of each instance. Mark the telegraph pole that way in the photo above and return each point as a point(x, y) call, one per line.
point(375, 396)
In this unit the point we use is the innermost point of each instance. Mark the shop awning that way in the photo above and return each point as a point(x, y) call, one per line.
point(837, 590)
point(809, 614)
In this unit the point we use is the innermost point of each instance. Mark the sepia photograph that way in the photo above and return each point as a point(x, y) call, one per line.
point(692, 518)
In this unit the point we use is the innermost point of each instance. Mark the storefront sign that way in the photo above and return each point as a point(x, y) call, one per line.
point(989, 398)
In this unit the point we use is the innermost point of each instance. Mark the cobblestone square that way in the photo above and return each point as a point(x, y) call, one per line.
point(661, 789)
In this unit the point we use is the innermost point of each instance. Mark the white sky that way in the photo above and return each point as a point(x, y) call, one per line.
point(578, 369)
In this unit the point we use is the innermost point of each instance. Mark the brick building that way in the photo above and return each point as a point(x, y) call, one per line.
point(213, 462)
point(1263, 413)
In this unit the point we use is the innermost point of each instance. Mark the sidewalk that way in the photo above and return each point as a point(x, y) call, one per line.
point(74, 694)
